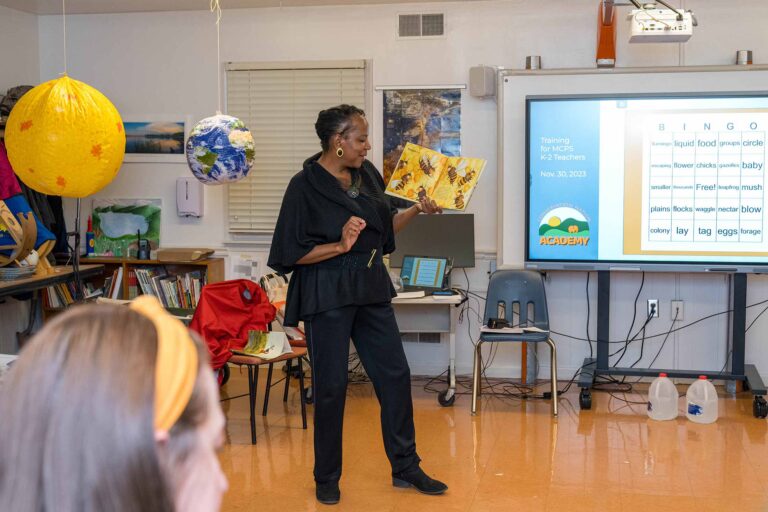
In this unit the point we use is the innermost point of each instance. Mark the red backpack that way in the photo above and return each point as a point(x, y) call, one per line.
point(226, 312)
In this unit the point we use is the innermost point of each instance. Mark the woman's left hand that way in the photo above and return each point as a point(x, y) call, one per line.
point(429, 206)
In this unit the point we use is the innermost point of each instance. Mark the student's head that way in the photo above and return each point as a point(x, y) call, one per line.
point(343, 131)
point(111, 408)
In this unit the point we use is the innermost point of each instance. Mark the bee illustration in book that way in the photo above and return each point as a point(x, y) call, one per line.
point(427, 163)
point(459, 172)
point(467, 177)
point(402, 182)
point(459, 200)
point(422, 172)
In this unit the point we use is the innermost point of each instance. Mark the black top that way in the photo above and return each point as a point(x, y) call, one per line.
point(314, 210)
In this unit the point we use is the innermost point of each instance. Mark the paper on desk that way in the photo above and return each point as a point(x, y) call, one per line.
point(511, 330)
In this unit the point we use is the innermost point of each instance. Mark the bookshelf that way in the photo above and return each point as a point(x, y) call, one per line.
point(177, 281)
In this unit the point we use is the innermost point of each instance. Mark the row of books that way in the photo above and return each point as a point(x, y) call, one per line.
point(174, 291)
point(113, 284)
point(61, 295)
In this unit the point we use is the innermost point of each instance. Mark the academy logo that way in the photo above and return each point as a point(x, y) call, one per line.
point(563, 226)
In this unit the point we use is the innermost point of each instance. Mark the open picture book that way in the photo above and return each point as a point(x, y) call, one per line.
point(265, 345)
point(448, 180)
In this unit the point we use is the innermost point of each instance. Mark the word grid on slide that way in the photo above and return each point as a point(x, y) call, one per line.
point(705, 179)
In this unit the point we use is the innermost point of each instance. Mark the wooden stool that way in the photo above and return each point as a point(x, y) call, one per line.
point(253, 364)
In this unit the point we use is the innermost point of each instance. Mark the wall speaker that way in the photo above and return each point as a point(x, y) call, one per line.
point(482, 81)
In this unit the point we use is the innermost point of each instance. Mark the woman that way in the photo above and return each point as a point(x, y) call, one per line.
point(111, 408)
point(334, 226)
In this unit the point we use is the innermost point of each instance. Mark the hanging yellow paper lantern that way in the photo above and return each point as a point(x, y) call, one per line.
point(65, 138)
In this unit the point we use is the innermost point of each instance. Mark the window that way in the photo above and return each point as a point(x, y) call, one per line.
point(279, 105)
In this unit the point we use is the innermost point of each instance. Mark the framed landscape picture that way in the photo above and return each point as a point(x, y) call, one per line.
point(155, 138)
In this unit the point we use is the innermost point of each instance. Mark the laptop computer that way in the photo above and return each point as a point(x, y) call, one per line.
point(425, 273)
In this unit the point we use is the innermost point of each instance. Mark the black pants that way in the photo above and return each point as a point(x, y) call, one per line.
point(374, 331)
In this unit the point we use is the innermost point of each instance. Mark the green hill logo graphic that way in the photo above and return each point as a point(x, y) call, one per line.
point(563, 226)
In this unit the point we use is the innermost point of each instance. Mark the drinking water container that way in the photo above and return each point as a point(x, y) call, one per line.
point(662, 399)
point(701, 401)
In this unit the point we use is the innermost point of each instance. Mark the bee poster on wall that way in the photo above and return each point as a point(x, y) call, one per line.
point(422, 172)
point(429, 117)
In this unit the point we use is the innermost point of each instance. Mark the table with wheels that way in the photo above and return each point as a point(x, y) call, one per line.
point(430, 314)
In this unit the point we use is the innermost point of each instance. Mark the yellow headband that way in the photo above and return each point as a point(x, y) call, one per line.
point(176, 367)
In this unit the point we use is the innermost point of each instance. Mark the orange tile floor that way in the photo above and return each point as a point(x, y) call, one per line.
point(511, 457)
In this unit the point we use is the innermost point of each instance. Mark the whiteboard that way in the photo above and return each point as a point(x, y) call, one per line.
point(515, 85)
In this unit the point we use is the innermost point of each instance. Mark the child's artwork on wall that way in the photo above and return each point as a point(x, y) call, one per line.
point(119, 223)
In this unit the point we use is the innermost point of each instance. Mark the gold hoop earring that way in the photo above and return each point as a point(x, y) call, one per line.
point(339, 152)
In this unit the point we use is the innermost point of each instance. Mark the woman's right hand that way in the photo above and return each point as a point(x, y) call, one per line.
point(349, 233)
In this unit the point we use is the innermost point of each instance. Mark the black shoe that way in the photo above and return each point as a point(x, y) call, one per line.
point(418, 479)
point(328, 493)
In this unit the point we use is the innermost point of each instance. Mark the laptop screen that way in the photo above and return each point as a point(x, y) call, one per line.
point(424, 272)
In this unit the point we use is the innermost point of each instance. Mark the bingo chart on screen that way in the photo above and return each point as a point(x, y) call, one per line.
point(704, 181)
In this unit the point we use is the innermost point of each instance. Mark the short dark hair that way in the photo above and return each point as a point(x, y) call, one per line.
point(335, 120)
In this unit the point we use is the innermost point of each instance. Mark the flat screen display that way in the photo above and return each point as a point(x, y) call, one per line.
point(647, 180)
point(449, 235)
point(424, 272)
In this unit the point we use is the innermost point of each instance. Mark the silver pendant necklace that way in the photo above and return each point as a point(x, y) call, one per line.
point(354, 189)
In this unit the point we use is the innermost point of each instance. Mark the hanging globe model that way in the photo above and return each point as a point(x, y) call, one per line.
point(220, 150)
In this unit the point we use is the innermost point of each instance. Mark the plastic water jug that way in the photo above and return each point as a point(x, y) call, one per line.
point(662, 399)
point(701, 401)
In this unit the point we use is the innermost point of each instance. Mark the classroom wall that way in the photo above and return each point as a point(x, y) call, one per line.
point(165, 63)
point(19, 60)
point(19, 65)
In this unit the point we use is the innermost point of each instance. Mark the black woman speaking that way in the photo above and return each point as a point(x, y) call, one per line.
point(335, 224)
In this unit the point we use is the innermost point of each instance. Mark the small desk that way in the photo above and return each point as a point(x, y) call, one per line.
point(60, 274)
point(426, 314)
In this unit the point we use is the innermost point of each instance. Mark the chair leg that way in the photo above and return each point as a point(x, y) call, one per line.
point(478, 363)
point(301, 396)
point(288, 368)
point(266, 391)
point(253, 381)
point(553, 363)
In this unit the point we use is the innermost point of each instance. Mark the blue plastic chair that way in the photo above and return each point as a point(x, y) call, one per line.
point(518, 297)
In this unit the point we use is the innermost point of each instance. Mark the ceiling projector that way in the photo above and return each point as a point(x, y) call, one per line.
point(651, 25)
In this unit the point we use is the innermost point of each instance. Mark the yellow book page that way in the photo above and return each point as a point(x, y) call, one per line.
point(457, 183)
point(416, 173)
point(257, 342)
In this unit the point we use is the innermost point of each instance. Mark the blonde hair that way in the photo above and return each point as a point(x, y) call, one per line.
point(77, 413)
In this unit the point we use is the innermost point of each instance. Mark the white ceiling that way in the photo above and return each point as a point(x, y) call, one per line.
point(114, 6)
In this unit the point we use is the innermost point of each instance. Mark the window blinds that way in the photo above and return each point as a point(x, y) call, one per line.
point(279, 105)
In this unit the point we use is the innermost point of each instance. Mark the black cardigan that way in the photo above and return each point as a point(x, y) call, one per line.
point(313, 212)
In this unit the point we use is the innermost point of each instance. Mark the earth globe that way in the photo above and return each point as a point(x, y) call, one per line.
point(220, 150)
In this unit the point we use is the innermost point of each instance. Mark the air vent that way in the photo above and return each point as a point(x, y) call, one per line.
point(429, 337)
point(432, 25)
point(421, 25)
point(420, 337)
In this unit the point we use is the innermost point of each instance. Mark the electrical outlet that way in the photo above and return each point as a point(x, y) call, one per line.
point(676, 310)
point(653, 308)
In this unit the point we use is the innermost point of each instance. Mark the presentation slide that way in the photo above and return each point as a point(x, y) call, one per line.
point(647, 179)
point(422, 271)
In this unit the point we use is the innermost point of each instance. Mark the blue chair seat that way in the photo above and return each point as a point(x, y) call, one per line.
point(533, 337)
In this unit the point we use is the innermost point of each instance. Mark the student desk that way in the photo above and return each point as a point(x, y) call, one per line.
point(426, 314)
point(60, 274)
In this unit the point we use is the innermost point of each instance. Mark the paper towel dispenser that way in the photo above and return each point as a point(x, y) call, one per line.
point(189, 197)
